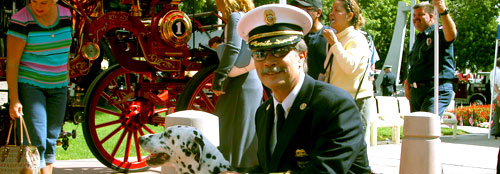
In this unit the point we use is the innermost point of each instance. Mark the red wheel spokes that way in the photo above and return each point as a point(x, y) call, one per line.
point(149, 130)
point(208, 103)
point(107, 111)
point(117, 99)
point(127, 147)
point(137, 149)
point(202, 101)
point(111, 135)
point(120, 140)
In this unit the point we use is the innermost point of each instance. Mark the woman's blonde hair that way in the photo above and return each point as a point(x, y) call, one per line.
point(230, 6)
point(357, 19)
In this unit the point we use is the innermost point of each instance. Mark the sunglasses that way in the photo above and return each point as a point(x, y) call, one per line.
point(260, 55)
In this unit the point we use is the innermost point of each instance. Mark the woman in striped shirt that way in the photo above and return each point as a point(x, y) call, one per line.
point(38, 42)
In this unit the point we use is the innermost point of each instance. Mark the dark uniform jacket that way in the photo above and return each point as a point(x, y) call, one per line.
point(323, 133)
point(421, 58)
point(388, 84)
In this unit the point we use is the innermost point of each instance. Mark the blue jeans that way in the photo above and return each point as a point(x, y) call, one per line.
point(422, 98)
point(44, 111)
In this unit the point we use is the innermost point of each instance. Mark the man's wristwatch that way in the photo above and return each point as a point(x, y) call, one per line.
point(444, 13)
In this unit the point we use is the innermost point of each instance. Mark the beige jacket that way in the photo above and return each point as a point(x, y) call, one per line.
point(351, 56)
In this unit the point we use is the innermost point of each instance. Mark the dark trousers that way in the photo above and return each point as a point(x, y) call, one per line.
point(422, 98)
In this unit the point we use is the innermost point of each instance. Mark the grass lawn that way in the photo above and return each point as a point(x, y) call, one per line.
point(78, 148)
point(384, 133)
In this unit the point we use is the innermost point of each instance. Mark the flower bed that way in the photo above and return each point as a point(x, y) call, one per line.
point(474, 115)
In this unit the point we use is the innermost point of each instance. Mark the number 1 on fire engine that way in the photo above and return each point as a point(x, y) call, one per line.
point(178, 28)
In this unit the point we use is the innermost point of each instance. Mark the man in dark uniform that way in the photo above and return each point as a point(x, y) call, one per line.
point(421, 58)
point(316, 43)
point(308, 126)
point(388, 82)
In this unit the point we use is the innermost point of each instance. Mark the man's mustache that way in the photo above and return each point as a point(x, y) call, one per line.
point(273, 69)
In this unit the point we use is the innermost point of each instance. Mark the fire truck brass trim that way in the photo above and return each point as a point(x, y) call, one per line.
point(166, 31)
point(91, 50)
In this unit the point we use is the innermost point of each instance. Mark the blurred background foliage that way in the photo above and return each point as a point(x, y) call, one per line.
point(476, 23)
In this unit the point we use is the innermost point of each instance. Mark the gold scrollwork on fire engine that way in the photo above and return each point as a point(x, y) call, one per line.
point(159, 63)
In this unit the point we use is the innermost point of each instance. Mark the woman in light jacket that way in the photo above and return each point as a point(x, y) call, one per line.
point(351, 55)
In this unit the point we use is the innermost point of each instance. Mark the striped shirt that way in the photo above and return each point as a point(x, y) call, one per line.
point(44, 61)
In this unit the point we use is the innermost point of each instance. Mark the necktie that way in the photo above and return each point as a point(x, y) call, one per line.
point(280, 112)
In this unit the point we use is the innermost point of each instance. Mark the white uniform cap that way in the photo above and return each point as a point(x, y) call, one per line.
point(274, 25)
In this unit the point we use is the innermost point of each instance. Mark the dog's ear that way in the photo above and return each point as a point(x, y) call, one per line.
point(197, 145)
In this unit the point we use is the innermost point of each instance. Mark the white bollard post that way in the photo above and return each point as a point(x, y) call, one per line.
point(421, 144)
point(205, 122)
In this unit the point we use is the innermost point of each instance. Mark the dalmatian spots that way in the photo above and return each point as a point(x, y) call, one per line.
point(186, 148)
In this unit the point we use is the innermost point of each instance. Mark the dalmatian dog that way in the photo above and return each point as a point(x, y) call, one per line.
point(186, 149)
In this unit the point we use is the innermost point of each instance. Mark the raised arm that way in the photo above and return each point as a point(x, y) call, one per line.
point(449, 27)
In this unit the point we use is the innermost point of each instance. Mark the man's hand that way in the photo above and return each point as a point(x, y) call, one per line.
point(407, 89)
point(439, 5)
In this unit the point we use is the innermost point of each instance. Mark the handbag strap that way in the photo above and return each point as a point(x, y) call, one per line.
point(371, 46)
point(361, 82)
point(25, 130)
point(12, 123)
point(363, 77)
point(22, 126)
point(328, 65)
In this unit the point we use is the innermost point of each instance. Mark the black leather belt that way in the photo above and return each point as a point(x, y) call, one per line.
point(429, 83)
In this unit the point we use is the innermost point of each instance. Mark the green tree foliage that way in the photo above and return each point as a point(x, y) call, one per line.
point(199, 6)
point(380, 18)
point(475, 20)
point(477, 28)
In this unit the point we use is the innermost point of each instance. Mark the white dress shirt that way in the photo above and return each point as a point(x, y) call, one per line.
point(287, 104)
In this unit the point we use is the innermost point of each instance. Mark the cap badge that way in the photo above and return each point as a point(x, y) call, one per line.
point(269, 17)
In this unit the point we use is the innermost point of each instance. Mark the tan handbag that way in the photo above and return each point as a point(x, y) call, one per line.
point(19, 158)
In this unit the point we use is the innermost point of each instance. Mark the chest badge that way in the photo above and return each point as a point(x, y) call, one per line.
point(302, 157)
point(429, 41)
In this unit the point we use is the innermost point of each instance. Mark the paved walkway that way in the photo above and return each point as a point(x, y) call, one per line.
point(468, 154)
point(89, 166)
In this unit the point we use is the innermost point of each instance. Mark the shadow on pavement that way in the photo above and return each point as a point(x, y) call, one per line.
point(91, 170)
point(477, 139)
